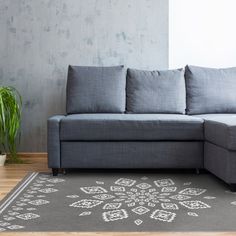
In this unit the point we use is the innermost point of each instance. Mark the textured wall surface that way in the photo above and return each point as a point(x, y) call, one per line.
point(39, 38)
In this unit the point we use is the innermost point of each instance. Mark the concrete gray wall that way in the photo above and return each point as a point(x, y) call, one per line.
point(40, 38)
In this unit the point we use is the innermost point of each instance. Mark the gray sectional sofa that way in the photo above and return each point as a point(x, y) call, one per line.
point(119, 118)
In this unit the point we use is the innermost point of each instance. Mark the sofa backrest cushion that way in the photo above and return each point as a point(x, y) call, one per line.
point(210, 90)
point(96, 89)
point(155, 91)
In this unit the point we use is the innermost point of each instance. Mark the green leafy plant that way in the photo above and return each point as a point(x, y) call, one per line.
point(10, 122)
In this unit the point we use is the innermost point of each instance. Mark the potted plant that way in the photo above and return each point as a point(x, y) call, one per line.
point(10, 121)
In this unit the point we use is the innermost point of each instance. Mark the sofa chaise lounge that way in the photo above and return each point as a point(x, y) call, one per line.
point(118, 118)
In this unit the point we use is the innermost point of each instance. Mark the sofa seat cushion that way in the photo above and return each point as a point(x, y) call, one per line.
point(131, 127)
point(220, 129)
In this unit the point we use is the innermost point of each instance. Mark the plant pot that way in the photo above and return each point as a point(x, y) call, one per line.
point(2, 159)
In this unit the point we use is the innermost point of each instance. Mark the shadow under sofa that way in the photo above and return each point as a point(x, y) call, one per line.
point(129, 139)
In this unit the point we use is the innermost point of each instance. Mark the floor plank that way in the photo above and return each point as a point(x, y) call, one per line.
point(10, 175)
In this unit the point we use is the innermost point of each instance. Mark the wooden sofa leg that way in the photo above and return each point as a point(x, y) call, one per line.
point(232, 187)
point(54, 171)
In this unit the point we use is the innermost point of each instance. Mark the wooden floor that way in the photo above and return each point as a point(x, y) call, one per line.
point(10, 175)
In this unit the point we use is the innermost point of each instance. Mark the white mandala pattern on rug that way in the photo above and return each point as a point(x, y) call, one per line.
point(15, 227)
point(125, 182)
point(31, 209)
point(169, 189)
point(194, 204)
point(86, 203)
point(117, 189)
point(192, 214)
point(4, 224)
point(48, 190)
point(143, 186)
point(39, 202)
point(192, 191)
point(10, 218)
point(169, 206)
point(158, 200)
point(138, 222)
point(93, 190)
point(103, 196)
point(13, 213)
point(140, 210)
point(55, 180)
point(115, 215)
point(112, 206)
point(164, 182)
point(180, 197)
point(72, 196)
point(85, 213)
point(139, 199)
point(22, 210)
point(209, 197)
point(27, 216)
point(163, 215)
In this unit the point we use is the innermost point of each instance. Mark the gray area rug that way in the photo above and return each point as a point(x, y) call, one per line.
point(119, 202)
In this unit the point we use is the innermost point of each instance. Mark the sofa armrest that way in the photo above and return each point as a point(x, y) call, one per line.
point(54, 149)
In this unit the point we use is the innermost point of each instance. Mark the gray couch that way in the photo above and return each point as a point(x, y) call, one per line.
point(118, 118)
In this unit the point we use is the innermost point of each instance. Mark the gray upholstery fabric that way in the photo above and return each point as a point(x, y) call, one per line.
point(96, 89)
point(220, 162)
point(131, 127)
point(54, 149)
point(132, 154)
point(210, 90)
point(156, 91)
point(220, 129)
